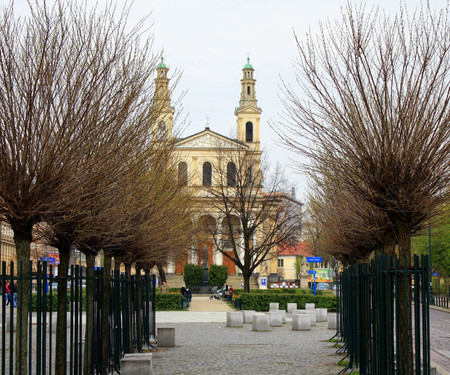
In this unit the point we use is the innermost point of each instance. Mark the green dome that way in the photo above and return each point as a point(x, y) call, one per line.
point(161, 64)
point(248, 65)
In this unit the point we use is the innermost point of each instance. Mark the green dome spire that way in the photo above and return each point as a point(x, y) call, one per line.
point(248, 65)
point(161, 64)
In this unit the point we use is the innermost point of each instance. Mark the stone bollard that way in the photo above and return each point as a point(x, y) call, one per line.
point(321, 315)
point(8, 323)
point(291, 307)
point(274, 306)
point(276, 318)
point(136, 364)
point(260, 322)
point(166, 337)
point(301, 322)
point(235, 318)
point(332, 321)
point(310, 313)
point(310, 306)
point(283, 316)
point(248, 314)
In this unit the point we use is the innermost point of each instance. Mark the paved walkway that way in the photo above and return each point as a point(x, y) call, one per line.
point(205, 346)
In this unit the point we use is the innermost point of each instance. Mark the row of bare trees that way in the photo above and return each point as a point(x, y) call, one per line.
point(373, 120)
point(79, 162)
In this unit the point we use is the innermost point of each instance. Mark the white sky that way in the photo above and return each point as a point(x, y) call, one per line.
point(209, 40)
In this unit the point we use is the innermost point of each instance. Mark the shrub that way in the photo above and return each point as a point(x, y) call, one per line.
point(260, 301)
point(217, 275)
point(168, 302)
point(193, 275)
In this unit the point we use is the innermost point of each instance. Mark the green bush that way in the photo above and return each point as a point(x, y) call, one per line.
point(52, 303)
point(260, 301)
point(168, 302)
point(217, 275)
point(193, 275)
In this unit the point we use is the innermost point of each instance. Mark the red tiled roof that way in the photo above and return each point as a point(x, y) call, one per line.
point(304, 248)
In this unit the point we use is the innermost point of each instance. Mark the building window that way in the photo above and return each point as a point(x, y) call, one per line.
point(248, 177)
point(207, 174)
point(280, 262)
point(182, 173)
point(231, 174)
point(248, 90)
point(249, 132)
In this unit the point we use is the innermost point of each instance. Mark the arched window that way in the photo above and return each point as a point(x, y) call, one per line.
point(207, 174)
point(249, 132)
point(231, 174)
point(182, 173)
point(248, 90)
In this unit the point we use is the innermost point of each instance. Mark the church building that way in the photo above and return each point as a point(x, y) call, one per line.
point(200, 157)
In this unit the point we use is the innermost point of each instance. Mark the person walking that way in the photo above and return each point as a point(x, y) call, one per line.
point(164, 288)
point(7, 294)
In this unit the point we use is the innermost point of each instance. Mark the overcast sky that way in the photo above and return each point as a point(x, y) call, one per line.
point(209, 40)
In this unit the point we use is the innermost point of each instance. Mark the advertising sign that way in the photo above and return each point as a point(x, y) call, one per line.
point(314, 259)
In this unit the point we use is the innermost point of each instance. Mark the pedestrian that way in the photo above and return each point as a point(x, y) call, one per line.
point(164, 288)
point(7, 294)
point(183, 290)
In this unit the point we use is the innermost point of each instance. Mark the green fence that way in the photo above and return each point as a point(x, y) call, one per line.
point(105, 317)
point(384, 326)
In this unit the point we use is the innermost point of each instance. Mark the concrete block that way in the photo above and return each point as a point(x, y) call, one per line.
point(260, 322)
point(137, 364)
point(235, 318)
point(166, 336)
point(310, 313)
point(283, 316)
point(301, 322)
point(276, 318)
point(291, 307)
point(8, 323)
point(274, 306)
point(310, 306)
point(332, 319)
point(248, 314)
point(321, 315)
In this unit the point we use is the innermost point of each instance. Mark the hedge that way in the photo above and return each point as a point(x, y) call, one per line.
point(168, 302)
point(217, 275)
point(193, 275)
point(260, 301)
point(52, 304)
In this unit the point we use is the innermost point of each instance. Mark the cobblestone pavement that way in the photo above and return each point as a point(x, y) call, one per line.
point(440, 340)
point(213, 348)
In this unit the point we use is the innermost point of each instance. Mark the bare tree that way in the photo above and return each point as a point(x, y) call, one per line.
point(73, 82)
point(375, 108)
point(257, 216)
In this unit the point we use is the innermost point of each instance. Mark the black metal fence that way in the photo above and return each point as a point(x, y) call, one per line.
point(106, 317)
point(384, 327)
point(438, 300)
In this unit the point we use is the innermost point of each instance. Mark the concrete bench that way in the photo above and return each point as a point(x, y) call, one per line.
point(137, 364)
point(291, 307)
point(274, 306)
point(321, 315)
point(235, 319)
point(276, 318)
point(166, 337)
point(248, 314)
point(332, 319)
point(260, 322)
point(301, 322)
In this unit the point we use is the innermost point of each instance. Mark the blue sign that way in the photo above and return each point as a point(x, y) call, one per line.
point(435, 274)
point(312, 272)
point(50, 260)
point(314, 259)
point(263, 281)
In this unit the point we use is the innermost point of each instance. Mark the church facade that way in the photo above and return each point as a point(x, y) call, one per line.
point(207, 159)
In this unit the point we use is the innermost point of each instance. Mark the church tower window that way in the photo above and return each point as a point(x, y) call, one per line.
point(207, 174)
point(182, 173)
point(231, 174)
point(248, 90)
point(249, 132)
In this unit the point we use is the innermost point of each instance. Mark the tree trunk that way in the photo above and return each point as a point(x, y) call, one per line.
point(162, 274)
point(88, 346)
point(61, 319)
point(105, 312)
point(404, 296)
point(22, 240)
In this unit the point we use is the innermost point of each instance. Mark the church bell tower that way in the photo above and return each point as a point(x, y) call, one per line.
point(161, 103)
point(248, 113)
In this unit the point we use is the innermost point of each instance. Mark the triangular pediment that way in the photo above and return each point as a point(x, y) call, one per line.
point(209, 140)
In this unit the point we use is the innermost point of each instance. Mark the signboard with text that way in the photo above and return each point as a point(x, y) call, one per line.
point(314, 259)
